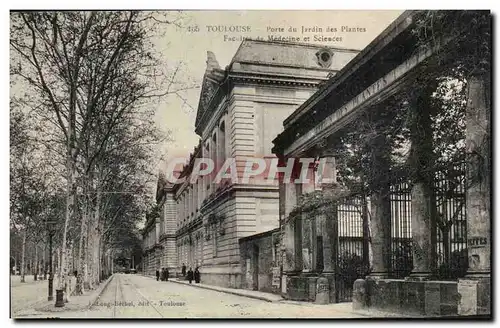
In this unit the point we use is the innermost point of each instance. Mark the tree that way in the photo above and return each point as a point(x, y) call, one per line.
point(89, 71)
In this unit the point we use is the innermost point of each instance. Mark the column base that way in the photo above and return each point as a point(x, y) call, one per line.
point(419, 276)
point(478, 275)
point(378, 275)
point(475, 292)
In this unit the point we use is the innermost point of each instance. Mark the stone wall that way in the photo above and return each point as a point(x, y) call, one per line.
point(423, 298)
point(257, 262)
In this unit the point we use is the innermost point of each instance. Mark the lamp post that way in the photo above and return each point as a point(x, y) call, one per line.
point(50, 228)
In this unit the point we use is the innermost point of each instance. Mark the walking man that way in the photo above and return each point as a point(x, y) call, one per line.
point(190, 275)
point(157, 274)
point(183, 270)
point(166, 274)
point(197, 275)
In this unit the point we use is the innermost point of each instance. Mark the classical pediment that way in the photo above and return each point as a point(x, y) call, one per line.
point(211, 81)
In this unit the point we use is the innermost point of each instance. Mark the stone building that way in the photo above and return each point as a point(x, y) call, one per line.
point(158, 236)
point(393, 64)
point(241, 110)
point(151, 246)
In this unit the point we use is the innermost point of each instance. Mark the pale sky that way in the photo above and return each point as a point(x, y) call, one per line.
point(190, 48)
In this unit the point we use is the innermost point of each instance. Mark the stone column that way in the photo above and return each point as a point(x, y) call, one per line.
point(327, 223)
point(423, 205)
point(291, 261)
point(478, 139)
point(308, 222)
point(475, 289)
point(326, 177)
point(379, 226)
point(380, 233)
point(157, 231)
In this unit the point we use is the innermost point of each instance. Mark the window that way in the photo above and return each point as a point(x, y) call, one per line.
point(222, 143)
point(324, 57)
point(214, 241)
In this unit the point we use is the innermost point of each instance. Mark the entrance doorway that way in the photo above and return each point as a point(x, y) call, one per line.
point(255, 265)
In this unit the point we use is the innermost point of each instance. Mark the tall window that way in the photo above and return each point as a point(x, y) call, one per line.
point(191, 201)
point(206, 178)
point(214, 241)
point(213, 156)
point(222, 144)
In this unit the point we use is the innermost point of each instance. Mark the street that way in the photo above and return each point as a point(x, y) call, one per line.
point(136, 296)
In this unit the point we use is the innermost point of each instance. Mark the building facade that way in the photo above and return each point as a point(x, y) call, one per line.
point(241, 110)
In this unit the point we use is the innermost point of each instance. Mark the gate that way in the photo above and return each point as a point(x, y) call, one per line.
point(351, 245)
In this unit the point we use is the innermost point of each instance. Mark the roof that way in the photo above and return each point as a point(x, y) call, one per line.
point(280, 53)
point(259, 235)
point(270, 58)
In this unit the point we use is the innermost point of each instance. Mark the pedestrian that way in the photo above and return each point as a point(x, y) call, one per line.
point(157, 274)
point(183, 270)
point(190, 275)
point(166, 274)
point(197, 275)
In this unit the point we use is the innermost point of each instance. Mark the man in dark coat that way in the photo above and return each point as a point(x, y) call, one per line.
point(157, 274)
point(190, 275)
point(162, 275)
point(166, 274)
point(197, 275)
point(183, 270)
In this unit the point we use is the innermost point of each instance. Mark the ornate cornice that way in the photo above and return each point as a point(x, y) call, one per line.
point(285, 80)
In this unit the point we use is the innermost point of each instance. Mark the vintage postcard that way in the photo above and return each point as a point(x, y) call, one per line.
point(250, 164)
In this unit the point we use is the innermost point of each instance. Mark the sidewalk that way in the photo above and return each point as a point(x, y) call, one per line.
point(15, 281)
point(45, 307)
point(339, 308)
point(29, 294)
point(240, 292)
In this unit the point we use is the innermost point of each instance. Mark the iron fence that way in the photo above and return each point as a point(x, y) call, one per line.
point(352, 235)
point(451, 225)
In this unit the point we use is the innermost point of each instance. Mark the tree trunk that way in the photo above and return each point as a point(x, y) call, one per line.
point(35, 273)
point(23, 254)
point(67, 286)
point(81, 260)
point(70, 204)
point(88, 263)
point(95, 237)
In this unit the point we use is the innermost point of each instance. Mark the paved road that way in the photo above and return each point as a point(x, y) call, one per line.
point(135, 296)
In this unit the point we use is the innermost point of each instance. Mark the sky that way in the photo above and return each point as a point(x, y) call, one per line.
point(221, 33)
